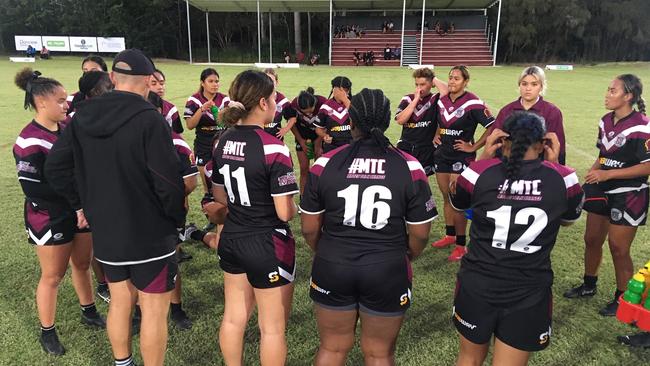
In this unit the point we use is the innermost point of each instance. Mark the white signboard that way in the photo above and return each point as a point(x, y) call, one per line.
point(113, 44)
point(56, 43)
point(23, 41)
point(559, 67)
point(83, 44)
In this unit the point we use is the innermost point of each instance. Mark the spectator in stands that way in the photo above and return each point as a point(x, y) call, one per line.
point(445, 28)
point(387, 52)
point(286, 57)
point(426, 25)
point(384, 27)
point(31, 51)
point(369, 58)
point(391, 26)
point(356, 57)
point(45, 53)
point(337, 32)
point(313, 61)
point(452, 28)
point(419, 26)
point(397, 52)
point(438, 27)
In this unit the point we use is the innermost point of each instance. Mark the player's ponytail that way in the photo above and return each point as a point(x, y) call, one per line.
point(34, 85)
point(524, 129)
point(245, 93)
point(307, 98)
point(632, 85)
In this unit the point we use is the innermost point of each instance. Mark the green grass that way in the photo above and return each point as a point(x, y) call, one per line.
point(581, 336)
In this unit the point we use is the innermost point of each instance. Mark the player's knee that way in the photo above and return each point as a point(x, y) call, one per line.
point(81, 264)
point(52, 280)
point(592, 240)
point(619, 251)
point(376, 349)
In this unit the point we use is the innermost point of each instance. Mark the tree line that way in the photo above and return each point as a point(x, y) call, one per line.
point(578, 31)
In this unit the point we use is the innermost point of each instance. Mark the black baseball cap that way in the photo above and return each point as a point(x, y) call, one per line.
point(140, 64)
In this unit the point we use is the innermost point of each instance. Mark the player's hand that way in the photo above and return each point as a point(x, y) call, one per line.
point(207, 106)
point(437, 140)
point(464, 146)
point(339, 95)
point(493, 143)
point(82, 223)
point(417, 95)
point(551, 147)
point(283, 131)
point(596, 176)
point(327, 139)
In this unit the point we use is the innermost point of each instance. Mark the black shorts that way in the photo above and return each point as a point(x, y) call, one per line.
point(424, 154)
point(452, 166)
point(203, 149)
point(268, 259)
point(50, 226)
point(527, 329)
point(381, 289)
point(154, 277)
point(623, 206)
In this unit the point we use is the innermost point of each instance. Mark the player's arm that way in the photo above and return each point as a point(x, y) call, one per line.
point(193, 113)
point(418, 237)
point(460, 191)
point(312, 209)
point(634, 171)
point(407, 109)
point(285, 207)
point(311, 228)
point(218, 215)
point(190, 184)
point(420, 211)
point(442, 87)
point(575, 197)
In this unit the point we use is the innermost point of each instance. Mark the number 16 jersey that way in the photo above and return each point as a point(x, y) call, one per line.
point(367, 200)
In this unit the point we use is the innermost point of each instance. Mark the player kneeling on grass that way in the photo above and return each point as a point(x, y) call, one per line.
point(253, 176)
point(519, 202)
point(366, 212)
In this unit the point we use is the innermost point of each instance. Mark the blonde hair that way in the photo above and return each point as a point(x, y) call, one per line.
point(538, 73)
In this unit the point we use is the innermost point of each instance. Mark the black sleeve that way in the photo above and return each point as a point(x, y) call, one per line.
point(164, 167)
point(288, 112)
point(177, 125)
point(483, 117)
point(59, 167)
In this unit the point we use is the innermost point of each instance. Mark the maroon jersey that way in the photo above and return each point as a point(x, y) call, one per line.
point(365, 208)
point(622, 145)
point(281, 102)
point(458, 120)
point(421, 126)
point(30, 151)
point(207, 126)
point(551, 114)
point(335, 119)
point(514, 225)
point(170, 112)
point(254, 167)
point(185, 155)
point(306, 124)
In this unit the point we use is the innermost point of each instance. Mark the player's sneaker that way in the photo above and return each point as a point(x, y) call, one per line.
point(457, 254)
point(636, 340)
point(209, 227)
point(103, 292)
point(580, 291)
point(93, 320)
point(609, 309)
point(189, 229)
point(182, 321)
point(51, 344)
point(444, 242)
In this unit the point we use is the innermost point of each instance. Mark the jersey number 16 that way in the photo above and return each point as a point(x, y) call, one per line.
point(374, 214)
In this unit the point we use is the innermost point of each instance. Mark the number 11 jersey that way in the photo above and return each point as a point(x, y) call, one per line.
point(367, 200)
point(253, 167)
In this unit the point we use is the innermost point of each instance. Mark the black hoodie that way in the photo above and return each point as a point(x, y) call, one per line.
point(113, 159)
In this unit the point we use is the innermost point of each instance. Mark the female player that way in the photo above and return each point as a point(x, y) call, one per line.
point(51, 224)
point(90, 63)
point(281, 102)
point(532, 86)
point(158, 85)
point(362, 264)
point(616, 187)
point(333, 125)
point(459, 113)
point(417, 114)
point(303, 113)
point(256, 249)
point(199, 116)
point(518, 202)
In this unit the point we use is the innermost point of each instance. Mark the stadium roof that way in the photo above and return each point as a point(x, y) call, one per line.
point(324, 5)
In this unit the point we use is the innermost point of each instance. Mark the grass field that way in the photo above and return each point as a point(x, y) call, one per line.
point(580, 335)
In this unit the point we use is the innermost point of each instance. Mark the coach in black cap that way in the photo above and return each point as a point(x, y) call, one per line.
point(112, 161)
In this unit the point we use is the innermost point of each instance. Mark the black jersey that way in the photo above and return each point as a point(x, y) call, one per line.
point(254, 167)
point(281, 102)
point(514, 225)
point(335, 119)
point(305, 124)
point(207, 126)
point(458, 121)
point(421, 126)
point(185, 155)
point(622, 145)
point(367, 202)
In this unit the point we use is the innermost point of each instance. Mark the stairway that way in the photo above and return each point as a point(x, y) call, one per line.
point(410, 51)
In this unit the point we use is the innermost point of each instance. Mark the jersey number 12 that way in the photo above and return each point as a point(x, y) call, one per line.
point(374, 214)
point(502, 217)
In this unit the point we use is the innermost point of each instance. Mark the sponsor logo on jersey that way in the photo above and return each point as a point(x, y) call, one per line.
point(616, 214)
point(430, 204)
point(270, 125)
point(317, 288)
point(521, 190)
point(366, 168)
point(611, 163)
point(459, 112)
point(285, 180)
point(274, 277)
point(461, 321)
point(421, 124)
point(58, 236)
point(234, 150)
point(620, 140)
point(24, 166)
point(544, 337)
point(458, 166)
point(450, 132)
point(341, 128)
point(405, 298)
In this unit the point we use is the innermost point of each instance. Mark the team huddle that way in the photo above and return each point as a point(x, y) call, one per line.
point(106, 174)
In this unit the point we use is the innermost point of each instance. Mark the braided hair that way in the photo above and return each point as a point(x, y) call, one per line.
point(524, 129)
point(632, 85)
point(370, 115)
point(341, 82)
point(34, 85)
